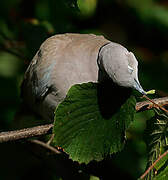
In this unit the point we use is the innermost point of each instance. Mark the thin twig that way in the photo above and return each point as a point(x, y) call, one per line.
point(25, 133)
point(50, 140)
point(45, 145)
point(6, 48)
point(153, 165)
point(157, 105)
point(145, 105)
point(2, 48)
point(3, 35)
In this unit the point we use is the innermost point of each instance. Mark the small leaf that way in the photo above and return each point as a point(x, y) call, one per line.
point(87, 128)
point(161, 162)
point(153, 91)
point(94, 178)
point(163, 174)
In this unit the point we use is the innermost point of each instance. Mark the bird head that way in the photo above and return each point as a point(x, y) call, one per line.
point(120, 65)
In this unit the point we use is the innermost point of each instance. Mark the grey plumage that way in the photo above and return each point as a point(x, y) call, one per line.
point(68, 59)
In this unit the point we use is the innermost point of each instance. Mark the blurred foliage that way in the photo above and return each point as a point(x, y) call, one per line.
point(87, 7)
point(141, 26)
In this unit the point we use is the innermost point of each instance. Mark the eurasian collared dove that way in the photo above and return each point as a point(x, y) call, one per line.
point(68, 59)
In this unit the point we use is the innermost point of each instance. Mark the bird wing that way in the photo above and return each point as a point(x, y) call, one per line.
point(62, 61)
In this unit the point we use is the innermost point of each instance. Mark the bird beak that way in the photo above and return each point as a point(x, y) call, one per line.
point(138, 87)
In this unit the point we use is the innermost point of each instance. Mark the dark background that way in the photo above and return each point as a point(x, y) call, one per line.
point(139, 25)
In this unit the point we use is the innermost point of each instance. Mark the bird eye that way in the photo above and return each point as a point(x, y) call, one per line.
point(130, 69)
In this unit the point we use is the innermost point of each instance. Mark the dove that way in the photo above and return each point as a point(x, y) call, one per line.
point(67, 59)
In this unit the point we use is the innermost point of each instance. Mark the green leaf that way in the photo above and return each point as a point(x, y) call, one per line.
point(86, 127)
point(94, 178)
point(161, 162)
point(163, 174)
point(157, 142)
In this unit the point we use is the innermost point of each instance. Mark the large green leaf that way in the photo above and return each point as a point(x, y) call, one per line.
point(87, 128)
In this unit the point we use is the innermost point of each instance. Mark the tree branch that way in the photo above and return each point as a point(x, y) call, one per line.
point(145, 105)
point(8, 50)
point(45, 145)
point(25, 133)
point(46, 129)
